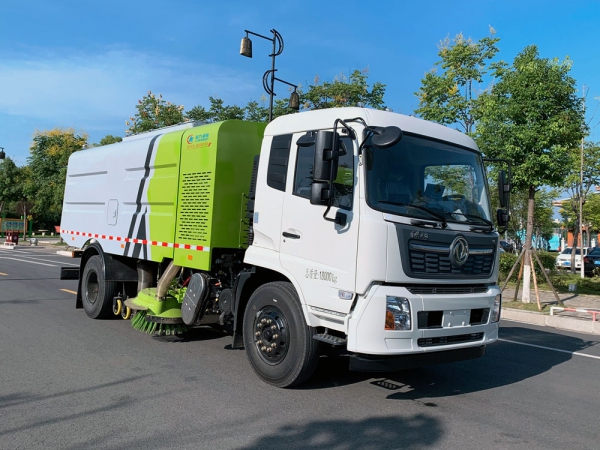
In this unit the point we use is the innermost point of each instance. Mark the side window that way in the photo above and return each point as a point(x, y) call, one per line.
point(278, 161)
point(343, 184)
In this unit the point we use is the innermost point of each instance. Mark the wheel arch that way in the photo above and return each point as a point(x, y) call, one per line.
point(246, 283)
point(114, 268)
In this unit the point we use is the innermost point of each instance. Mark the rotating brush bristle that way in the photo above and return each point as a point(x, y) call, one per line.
point(140, 323)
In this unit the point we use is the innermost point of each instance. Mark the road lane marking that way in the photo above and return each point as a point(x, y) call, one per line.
point(31, 262)
point(56, 263)
point(550, 348)
point(69, 291)
point(4, 274)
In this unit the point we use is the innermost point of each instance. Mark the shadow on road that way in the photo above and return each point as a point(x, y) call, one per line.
point(373, 433)
point(504, 364)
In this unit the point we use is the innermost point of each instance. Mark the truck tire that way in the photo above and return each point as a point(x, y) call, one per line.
point(279, 344)
point(96, 294)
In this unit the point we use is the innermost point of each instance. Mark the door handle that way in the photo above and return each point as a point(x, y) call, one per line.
point(291, 235)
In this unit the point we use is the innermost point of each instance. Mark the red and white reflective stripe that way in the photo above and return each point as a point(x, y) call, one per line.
point(137, 241)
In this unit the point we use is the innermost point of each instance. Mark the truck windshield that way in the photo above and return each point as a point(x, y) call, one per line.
point(427, 179)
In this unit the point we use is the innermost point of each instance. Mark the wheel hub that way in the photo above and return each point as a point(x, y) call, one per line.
point(271, 335)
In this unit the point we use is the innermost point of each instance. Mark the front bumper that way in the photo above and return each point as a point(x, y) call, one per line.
point(366, 363)
point(366, 324)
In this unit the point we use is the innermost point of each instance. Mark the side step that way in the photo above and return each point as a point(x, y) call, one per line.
point(69, 273)
point(329, 339)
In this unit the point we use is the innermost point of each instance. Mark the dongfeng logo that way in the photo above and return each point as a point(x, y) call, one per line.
point(459, 251)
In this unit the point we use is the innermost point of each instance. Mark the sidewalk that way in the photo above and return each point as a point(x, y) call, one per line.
point(571, 321)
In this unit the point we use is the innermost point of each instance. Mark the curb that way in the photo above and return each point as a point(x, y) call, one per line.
point(561, 323)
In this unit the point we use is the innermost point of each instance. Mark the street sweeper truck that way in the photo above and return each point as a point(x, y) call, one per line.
point(362, 230)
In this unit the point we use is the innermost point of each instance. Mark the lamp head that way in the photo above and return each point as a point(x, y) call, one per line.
point(246, 47)
point(294, 101)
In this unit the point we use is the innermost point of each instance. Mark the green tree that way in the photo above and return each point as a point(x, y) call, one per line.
point(154, 112)
point(343, 91)
point(450, 95)
point(257, 112)
point(110, 139)
point(45, 174)
point(217, 112)
point(11, 189)
point(532, 117)
point(591, 212)
point(579, 185)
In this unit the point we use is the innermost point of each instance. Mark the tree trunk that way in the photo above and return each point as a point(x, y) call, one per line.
point(526, 298)
point(574, 246)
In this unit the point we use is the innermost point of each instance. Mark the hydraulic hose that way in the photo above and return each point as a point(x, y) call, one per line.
point(165, 280)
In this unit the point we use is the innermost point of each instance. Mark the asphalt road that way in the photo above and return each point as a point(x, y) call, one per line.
point(70, 382)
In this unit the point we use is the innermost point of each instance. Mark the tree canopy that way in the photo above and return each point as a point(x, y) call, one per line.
point(154, 112)
point(11, 189)
point(532, 117)
point(44, 184)
point(343, 91)
point(449, 96)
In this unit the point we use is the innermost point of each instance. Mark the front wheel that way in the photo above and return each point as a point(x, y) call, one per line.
point(96, 293)
point(279, 344)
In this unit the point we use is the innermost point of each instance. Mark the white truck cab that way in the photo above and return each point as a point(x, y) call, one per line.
point(403, 259)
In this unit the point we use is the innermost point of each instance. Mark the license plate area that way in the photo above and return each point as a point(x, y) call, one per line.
point(452, 318)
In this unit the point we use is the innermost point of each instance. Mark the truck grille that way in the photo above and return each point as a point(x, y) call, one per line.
point(448, 340)
point(435, 263)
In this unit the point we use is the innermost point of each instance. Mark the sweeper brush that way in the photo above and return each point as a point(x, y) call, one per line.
point(155, 314)
point(151, 324)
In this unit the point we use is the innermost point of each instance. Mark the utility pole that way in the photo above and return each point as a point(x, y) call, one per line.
point(581, 196)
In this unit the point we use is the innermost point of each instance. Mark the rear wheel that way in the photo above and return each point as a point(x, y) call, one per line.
point(279, 344)
point(97, 294)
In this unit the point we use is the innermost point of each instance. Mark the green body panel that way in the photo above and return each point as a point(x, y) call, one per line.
point(168, 308)
point(197, 190)
point(215, 172)
point(162, 194)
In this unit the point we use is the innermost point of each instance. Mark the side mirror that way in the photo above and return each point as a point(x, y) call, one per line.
point(502, 218)
point(386, 137)
point(503, 189)
point(321, 193)
point(326, 156)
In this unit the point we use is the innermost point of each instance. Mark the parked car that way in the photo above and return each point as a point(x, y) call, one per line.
point(507, 246)
point(563, 260)
point(591, 261)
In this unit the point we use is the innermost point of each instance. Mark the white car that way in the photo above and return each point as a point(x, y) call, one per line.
point(563, 260)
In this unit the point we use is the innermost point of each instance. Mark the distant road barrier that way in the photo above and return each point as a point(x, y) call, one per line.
point(593, 312)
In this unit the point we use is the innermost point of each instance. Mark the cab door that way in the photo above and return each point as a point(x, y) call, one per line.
point(320, 254)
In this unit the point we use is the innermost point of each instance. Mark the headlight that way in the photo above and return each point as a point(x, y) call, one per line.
point(397, 313)
point(497, 308)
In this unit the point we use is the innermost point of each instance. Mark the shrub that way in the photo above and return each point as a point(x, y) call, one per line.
point(507, 260)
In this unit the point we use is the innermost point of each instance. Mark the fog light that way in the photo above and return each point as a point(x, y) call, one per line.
point(397, 313)
point(497, 308)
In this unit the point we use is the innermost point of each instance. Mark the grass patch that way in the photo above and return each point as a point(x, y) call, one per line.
point(60, 244)
point(526, 306)
point(561, 282)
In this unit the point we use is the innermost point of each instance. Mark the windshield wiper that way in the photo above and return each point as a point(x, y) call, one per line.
point(489, 225)
point(433, 214)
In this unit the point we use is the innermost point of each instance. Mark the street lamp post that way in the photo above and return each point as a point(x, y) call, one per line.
point(2, 154)
point(269, 76)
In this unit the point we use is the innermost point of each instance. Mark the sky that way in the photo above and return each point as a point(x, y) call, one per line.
point(83, 65)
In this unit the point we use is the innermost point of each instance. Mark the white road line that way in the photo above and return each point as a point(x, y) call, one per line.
point(31, 262)
point(40, 259)
point(550, 348)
